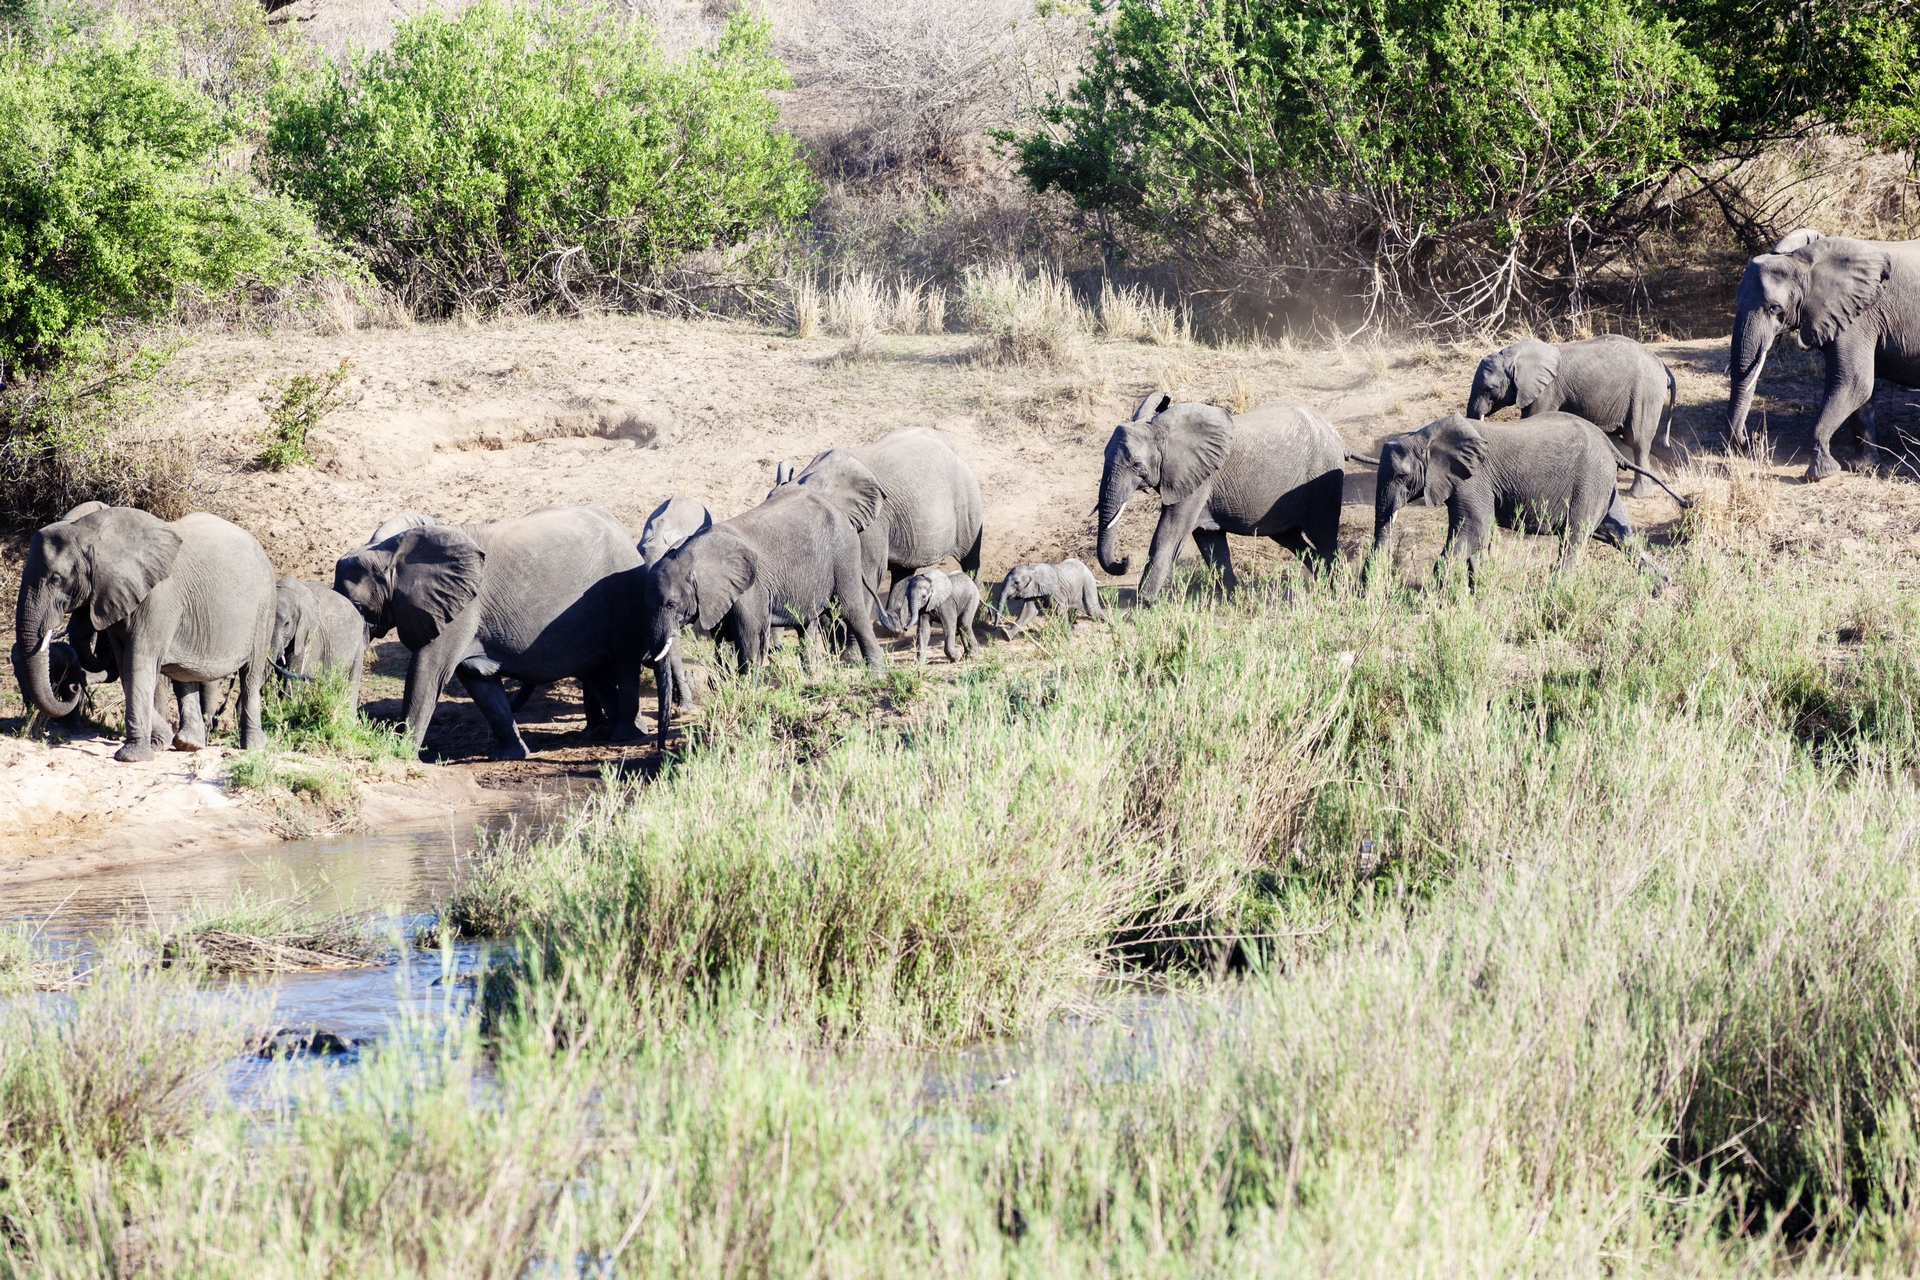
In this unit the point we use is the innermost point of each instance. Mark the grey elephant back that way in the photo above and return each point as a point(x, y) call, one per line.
point(395, 525)
point(1295, 438)
point(933, 508)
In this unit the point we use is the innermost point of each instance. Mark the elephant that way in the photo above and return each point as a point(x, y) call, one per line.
point(1274, 471)
point(395, 525)
point(781, 563)
point(315, 628)
point(1858, 301)
point(930, 509)
point(191, 600)
point(549, 595)
point(672, 523)
point(1611, 381)
point(1068, 586)
point(952, 597)
point(1553, 474)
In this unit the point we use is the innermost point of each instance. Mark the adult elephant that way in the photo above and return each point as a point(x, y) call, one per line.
point(780, 564)
point(672, 523)
point(1274, 471)
point(191, 600)
point(541, 598)
point(1858, 301)
point(930, 507)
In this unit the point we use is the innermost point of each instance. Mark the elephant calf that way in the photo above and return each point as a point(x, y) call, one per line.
point(316, 628)
point(1611, 381)
point(952, 597)
point(1552, 474)
point(1068, 585)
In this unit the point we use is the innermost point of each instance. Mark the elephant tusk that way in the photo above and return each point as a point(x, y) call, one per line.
point(46, 642)
point(1123, 508)
point(663, 650)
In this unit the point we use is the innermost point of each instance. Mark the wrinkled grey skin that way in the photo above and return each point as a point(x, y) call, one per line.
point(1552, 474)
point(547, 596)
point(1858, 301)
point(1611, 381)
point(395, 525)
point(953, 598)
point(783, 563)
point(316, 628)
point(1067, 586)
point(930, 504)
point(672, 523)
point(191, 601)
point(1275, 472)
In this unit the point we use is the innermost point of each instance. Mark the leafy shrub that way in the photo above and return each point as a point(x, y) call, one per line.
point(496, 156)
point(318, 716)
point(1419, 155)
point(294, 407)
point(114, 198)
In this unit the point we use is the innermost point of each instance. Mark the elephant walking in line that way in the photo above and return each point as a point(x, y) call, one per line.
point(1611, 381)
point(1552, 474)
point(1067, 586)
point(930, 506)
point(547, 596)
point(1274, 471)
point(316, 628)
point(783, 563)
point(190, 600)
point(1858, 301)
point(954, 599)
point(672, 523)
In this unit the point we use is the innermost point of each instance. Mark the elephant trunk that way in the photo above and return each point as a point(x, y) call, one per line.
point(1387, 501)
point(1480, 401)
point(1116, 487)
point(1753, 333)
point(663, 712)
point(33, 625)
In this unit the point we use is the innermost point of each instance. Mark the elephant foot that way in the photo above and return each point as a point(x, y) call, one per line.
point(1641, 488)
point(1823, 467)
point(510, 751)
point(627, 733)
point(134, 752)
point(183, 743)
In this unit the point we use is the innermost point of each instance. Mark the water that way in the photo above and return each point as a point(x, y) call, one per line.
point(396, 876)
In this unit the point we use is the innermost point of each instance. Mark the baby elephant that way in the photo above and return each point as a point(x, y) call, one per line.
point(1552, 474)
point(954, 598)
point(1068, 585)
point(315, 627)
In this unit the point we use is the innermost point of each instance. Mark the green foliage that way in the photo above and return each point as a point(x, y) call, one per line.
point(1439, 151)
point(497, 155)
point(114, 196)
point(294, 407)
point(317, 716)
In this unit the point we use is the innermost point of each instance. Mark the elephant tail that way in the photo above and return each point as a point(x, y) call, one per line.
point(1673, 398)
point(880, 614)
point(1624, 465)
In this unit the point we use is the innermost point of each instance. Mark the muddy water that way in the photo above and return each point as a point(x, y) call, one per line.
point(396, 876)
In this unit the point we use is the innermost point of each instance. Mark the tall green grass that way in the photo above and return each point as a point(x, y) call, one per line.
point(1574, 930)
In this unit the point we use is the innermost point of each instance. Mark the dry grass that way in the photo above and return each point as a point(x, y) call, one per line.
point(1024, 317)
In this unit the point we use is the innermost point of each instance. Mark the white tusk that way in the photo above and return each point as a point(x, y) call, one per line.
point(1119, 513)
point(46, 642)
point(663, 650)
point(1093, 511)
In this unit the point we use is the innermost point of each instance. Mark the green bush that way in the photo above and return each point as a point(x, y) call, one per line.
point(294, 407)
point(114, 196)
point(496, 156)
point(1424, 155)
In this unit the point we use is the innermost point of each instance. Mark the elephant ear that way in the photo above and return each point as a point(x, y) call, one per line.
point(1795, 240)
point(1194, 440)
point(1455, 452)
point(131, 552)
point(1535, 365)
point(783, 472)
point(436, 574)
point(722, 573)
point(848, 484)
point(1847, 277)
point(1153, 405)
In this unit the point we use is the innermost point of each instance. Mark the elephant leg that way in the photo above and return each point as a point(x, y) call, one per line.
point(253, 687)
point(162, 726)
point(923, 633)
point(950, 624)
point(1213, 550)
point(624, 682)
point(1849, 387)
point(194, 702)
point(601, 701)
point(1644, 426)
point(857, 610)
point(1175, 524)
point(970, 559)
point(1865, 434)
point(1029, 610)
point(520, 695)
point(491, 698)
point(969, 643)
point(427, 676)
point(139, 683)
point(1295, 540)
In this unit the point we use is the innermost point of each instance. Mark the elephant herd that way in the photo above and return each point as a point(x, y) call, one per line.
point(852, 542)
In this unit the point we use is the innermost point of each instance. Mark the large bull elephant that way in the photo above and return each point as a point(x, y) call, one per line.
point(190, 600)
point(550, 595)
point(930, 506)
point(1274, 471)
point(1858, 301)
